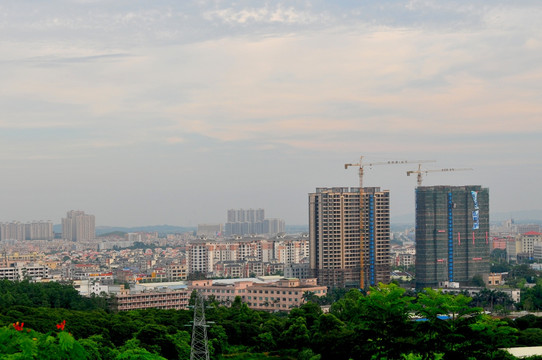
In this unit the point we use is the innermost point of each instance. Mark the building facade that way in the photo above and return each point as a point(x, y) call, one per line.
point(452, 230)
point(349, 236)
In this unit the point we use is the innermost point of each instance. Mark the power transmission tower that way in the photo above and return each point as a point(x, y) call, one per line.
point(200, 348)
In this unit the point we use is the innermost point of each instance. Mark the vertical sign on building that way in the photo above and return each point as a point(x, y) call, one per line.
point(450, 238)
point(476, 211)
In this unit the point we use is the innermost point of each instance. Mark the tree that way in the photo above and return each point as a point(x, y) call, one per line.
point(332, 338)
point(297, 335)
point(384, 321)
point(490, 299)
point(132, 351)
point(20, 343)
point(488, 335)
point(442, 318)
point(478, 280)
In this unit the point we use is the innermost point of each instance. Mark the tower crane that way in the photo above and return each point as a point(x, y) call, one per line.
point(420, 172)
point(361, 166)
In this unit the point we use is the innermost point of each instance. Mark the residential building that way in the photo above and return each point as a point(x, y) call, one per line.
point(513, 248)
point(37, 230)
point(78, 226)
point(528, 242)
point(452, 230)
point(349, 239)
point(298, 271)
point(251, 221)
point(273, 226)
point(163, 298)
point(282, 295)
point(278, 295)
point(222, 291)
point(176, 272)
point(239, 257)
point(22, 271)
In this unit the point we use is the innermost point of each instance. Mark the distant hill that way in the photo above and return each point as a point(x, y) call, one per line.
point(113, 233)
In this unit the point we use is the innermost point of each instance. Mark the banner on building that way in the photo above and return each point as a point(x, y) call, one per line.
point(475, 220)
point(474, 195)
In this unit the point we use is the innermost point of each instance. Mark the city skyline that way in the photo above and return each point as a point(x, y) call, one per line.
point(170, 113)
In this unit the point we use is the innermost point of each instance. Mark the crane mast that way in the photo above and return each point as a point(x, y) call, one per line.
point(361, 166)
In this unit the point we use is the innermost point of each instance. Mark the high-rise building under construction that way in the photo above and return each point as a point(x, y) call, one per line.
point(349, 239)
point(452, 229)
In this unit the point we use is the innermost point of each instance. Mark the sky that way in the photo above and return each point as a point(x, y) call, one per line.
point(171, 112)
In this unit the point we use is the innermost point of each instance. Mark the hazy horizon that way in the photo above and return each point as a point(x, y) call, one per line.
point(173, 112)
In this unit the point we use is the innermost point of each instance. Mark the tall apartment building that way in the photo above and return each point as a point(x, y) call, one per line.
point(244, 215)
point(12, 231)
point(452, 234)
point(349, 239)
point(273, 226)
point(78, 226)
point(37, 230)
point(251, 221)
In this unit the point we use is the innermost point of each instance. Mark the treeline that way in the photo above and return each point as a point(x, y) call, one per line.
point(51, 295)
point(384, 323)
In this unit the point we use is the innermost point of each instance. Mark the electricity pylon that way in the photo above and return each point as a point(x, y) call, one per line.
point(199, 348)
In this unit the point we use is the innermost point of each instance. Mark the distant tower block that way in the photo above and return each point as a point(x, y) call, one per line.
point(78, 226)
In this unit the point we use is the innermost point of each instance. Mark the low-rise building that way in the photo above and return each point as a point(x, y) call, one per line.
point(260, 294)
point(282, 295)
point(163, 298)
point(224, 292)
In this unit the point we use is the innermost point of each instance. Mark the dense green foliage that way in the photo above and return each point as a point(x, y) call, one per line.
point(51, 294)
point(379, 324)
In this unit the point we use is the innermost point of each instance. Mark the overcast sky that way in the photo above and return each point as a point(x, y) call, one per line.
point(172, 112)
